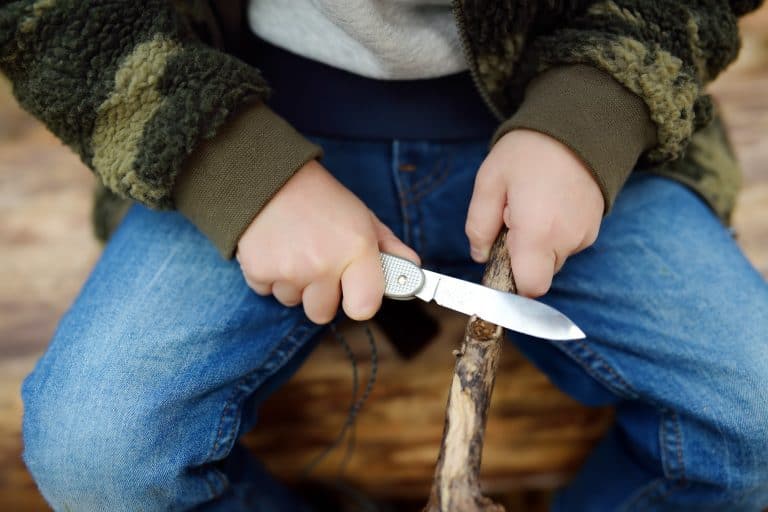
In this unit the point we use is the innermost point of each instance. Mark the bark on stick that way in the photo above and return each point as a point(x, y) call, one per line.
point(456, 485)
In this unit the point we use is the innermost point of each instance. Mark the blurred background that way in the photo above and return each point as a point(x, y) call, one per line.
point(47, 249)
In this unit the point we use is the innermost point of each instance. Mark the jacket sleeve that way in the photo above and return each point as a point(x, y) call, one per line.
point(129, 87)
point(625, 78)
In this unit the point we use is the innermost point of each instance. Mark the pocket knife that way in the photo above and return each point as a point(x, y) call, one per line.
point(404, 280)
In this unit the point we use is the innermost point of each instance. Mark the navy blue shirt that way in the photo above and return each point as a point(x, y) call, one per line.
point(318, 99)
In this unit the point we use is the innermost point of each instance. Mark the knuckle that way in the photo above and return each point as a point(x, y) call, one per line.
point(255, 267)
point(361, 242)
point(317, 263)
point(288, 269)
point(253, 272)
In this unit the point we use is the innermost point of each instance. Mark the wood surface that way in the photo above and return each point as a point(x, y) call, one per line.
point(535, 436)
point(456, 484)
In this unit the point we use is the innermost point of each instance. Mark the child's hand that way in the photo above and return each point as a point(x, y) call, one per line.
point(546, 197)
point(314, 241)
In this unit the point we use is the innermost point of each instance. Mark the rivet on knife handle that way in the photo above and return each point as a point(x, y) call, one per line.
point(402, 278)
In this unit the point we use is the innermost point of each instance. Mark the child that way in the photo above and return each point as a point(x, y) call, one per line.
point(161, 363)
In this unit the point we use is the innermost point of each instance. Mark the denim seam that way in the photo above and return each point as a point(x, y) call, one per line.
point(401, 195)
point(425, 180)
point(429, 183)
point(678, 440)
point(225, 435)
point(596, 366)
point(671, 447)
point(670, 442)
point(247, 383)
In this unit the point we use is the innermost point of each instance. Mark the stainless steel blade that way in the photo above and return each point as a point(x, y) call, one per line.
point(512, 311)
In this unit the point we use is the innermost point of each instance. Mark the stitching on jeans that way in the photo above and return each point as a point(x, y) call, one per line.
point(681, 482)
point(241, 387)
point(434, 185)
point(671, 441)
point(604, 364)
point(616, 382)
point(675, 478)
point(245, 385)
point(663, 443)
point(401, 192)
point(679, 441)
point(673, 482)
point(425, 180)
point(430, 182)
point(651, 495)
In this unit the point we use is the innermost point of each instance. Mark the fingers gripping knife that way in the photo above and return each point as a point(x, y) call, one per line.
point(404, 280)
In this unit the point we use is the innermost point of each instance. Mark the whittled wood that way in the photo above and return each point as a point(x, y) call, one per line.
point(456, 486)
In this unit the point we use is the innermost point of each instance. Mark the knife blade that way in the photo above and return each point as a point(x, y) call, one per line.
point(404, 280)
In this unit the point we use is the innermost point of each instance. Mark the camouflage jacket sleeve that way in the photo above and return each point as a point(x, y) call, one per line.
point(617, 79)
point(664, 51)
point(131, 89)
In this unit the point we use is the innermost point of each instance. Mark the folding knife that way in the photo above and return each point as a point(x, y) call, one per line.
point(404, 280)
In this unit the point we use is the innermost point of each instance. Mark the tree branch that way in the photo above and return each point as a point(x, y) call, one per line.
point(456, 485)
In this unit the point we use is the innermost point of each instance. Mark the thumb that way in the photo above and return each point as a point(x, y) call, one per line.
point(484, 217)
point(389, 243)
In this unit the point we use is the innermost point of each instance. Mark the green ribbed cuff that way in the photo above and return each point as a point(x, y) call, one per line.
point(605, 124)
point(228, 179)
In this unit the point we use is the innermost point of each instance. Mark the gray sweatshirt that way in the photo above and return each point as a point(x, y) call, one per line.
point(383, 39)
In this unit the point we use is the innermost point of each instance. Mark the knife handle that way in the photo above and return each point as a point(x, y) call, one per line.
point(402, 278)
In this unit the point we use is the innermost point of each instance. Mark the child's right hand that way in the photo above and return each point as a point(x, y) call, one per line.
point(314, 242)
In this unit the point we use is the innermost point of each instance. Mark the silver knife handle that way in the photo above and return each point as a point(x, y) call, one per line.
point(402, 278)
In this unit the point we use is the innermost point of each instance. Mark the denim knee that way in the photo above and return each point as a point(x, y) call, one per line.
point(747, 432)
point(731, 448)
point(743, 401)
point(87, 451)
point(72, 456)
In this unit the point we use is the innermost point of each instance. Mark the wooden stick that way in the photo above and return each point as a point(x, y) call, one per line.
point(456, 485)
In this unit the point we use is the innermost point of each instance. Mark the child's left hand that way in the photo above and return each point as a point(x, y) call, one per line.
point(547, 198)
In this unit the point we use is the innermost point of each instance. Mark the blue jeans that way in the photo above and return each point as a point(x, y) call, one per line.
point(160, 364)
